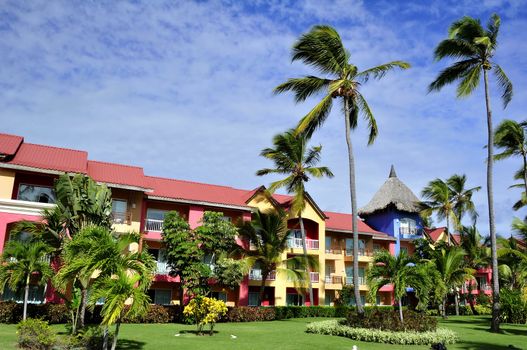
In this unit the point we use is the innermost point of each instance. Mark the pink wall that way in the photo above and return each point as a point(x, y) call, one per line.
point(8, 218)
point(195, 214)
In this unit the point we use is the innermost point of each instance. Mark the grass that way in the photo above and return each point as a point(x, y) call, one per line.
point(289, 334)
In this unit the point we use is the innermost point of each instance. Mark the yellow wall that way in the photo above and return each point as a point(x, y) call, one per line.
point(7, 181)
point(134, 200)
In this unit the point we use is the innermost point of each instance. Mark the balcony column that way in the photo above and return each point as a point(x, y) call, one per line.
point(243, 296)
point(195, 214)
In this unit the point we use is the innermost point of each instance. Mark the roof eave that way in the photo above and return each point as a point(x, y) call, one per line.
point(203, 203)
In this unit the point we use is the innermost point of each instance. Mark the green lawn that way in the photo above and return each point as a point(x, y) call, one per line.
point(288, 334)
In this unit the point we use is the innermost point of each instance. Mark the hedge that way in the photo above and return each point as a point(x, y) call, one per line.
point(334, 327)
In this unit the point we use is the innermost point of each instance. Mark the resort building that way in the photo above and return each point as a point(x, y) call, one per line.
point(140, 203)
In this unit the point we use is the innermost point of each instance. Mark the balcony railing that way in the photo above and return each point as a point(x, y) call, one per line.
point(311, 244)
point(409, 232)
point(121, 218)
point(162, 268)
point(333, 280)
point(362, 252)
point(334, 250)
point(256, 275)
point(362, 280)
point(314, 277)
point(154, 225)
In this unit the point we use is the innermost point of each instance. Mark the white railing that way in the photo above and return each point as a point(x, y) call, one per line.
point(362, 252)
point(314, 277)
point(154, 225)
point(256, 275)
point(333, 279)
point(362, 280)
point(162, 268)
point(297, 243)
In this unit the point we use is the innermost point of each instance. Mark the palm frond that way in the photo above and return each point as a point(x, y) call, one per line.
point(365, 110)
point(469, 81)
point(455, 72)
point(505, 85)
point(303, 87)
point(380, 71)
point(454, 48)
point(316, 117)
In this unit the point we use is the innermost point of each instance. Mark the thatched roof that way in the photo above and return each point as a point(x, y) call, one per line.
point(392, 192)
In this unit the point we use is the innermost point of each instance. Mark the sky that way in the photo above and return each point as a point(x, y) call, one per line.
point(184, 89)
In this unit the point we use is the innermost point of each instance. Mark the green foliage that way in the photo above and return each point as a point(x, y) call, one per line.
point(333, 327)
point(230, 272)
point(387, 319)
point(34, 334)
point(203, 311)
point(483, 309)
point(513, 305)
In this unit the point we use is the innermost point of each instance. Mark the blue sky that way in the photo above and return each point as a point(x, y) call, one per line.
point(184, 89)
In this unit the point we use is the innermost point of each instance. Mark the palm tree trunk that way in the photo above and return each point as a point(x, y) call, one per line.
point(448, 228)
point(401, 311)
point(351, 161)
point(495, 323)
point(26, 296)
point(456, 300)
point(105, 338)
point(262, 285)
point(82, 313)
point(304, 247)
point(117, 325)
point(444, 307)
point(525, 171)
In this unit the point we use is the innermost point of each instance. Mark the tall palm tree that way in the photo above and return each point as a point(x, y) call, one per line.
point(462, 198)
point(268, 234)
point(22, 260)
point(449, 263)
point(322, 48)
point(513, 263)
point(401, 272)
point(475, 47)
point(439, 200)
point(297, 162)
point(124, 295)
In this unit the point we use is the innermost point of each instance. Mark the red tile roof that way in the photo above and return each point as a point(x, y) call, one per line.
point(434, 233)
point(195, 191)
point(118, 174)
point(9, 144)
point(50, 158)
point(342, 222)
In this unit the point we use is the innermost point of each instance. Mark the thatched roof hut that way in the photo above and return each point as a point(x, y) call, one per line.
point(392, 193)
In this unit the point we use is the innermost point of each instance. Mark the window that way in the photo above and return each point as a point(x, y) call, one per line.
point(33, 193)
point(407, 227)
point(254, 299)
point(328, 244)
point(362, 300)
point(349, 275)
point(119, 209)
point(156, 214)
point(404, 249)
point(226, 218)
point(160, 296)
point(376, 247)
point(294, 300)
point(349, 246)
point(219, 295)
point(36, 295)
point(161, 260)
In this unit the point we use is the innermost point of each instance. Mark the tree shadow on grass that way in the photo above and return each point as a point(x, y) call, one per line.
point(472, 345)
point(195, 332)
point(127, 344)
point(515, 332)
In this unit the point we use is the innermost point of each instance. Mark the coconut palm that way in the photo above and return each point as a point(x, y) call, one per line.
point(449, 263)
point(439, 200)
point(475, 46)
point(322, 48)
point(297, 162)
point(462, 198)
point(124, 295)
point(268, 237)
point(20, 261)
point(513, 263)
point(401, 272)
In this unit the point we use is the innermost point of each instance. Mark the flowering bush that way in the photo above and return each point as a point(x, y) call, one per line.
point(205, 311)
point(334, 327)
point(35, 334)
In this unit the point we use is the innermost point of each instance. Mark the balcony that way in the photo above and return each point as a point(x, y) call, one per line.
point(333, 279)
point(362, 252)
point(121, 218)
point(311, 244)
point(162, 268)
point(256, 275)
point(314, 277)
point(362, 280)
point(410, 232)
point(334, 251)
point(153, 225)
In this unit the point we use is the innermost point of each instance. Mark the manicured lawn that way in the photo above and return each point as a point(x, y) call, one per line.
point(288, 334)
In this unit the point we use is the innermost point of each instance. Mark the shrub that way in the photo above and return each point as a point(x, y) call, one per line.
point(205, 311)
point(156, 314)
point(333, 327)
point(483, 309)
point(35, 334)
point(463, 310)
point(388, 320)
point(55, 313)
point(513, 307)
point(9, 312)
point(250, 314)
point(483, 299)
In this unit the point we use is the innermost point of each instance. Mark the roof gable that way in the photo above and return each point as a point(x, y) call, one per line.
point(50, 158)
point(9, 144)
point(118, 174)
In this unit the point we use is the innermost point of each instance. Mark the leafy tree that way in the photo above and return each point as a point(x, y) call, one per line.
point(268, 234)
point(400, 271)
point(22, 260)
point(322, 48)
point(475, 47)
point(449, 262)
point(296, 161)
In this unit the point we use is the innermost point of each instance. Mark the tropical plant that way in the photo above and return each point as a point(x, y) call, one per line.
point(322, 48)
point(449, 262)
point(268, 237)
point(297, 162)
point(512, 263)
point(205, 311)
point(462, 198)
point(22, 263)
point(401, 271)
point(475, 47)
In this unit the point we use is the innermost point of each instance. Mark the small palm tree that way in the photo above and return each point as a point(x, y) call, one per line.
point(449, 262)
point(513, 263)
point(124, 295)
point(268, 235)
point(322, 48)
point(475, 47)
point(295, 160)
point(462, 198)
point(20, 261)
point(401, 272)
point(438, 199)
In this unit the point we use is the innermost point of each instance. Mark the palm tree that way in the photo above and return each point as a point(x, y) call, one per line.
point(475, 47)
point(401, 272)
point(513, 263)
point(124, 295)
point(449, 263)
point(295, 160)
point(438, 199)
point(20, 261)
point(322, 48)
point(268, 235)
point(462, 198)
